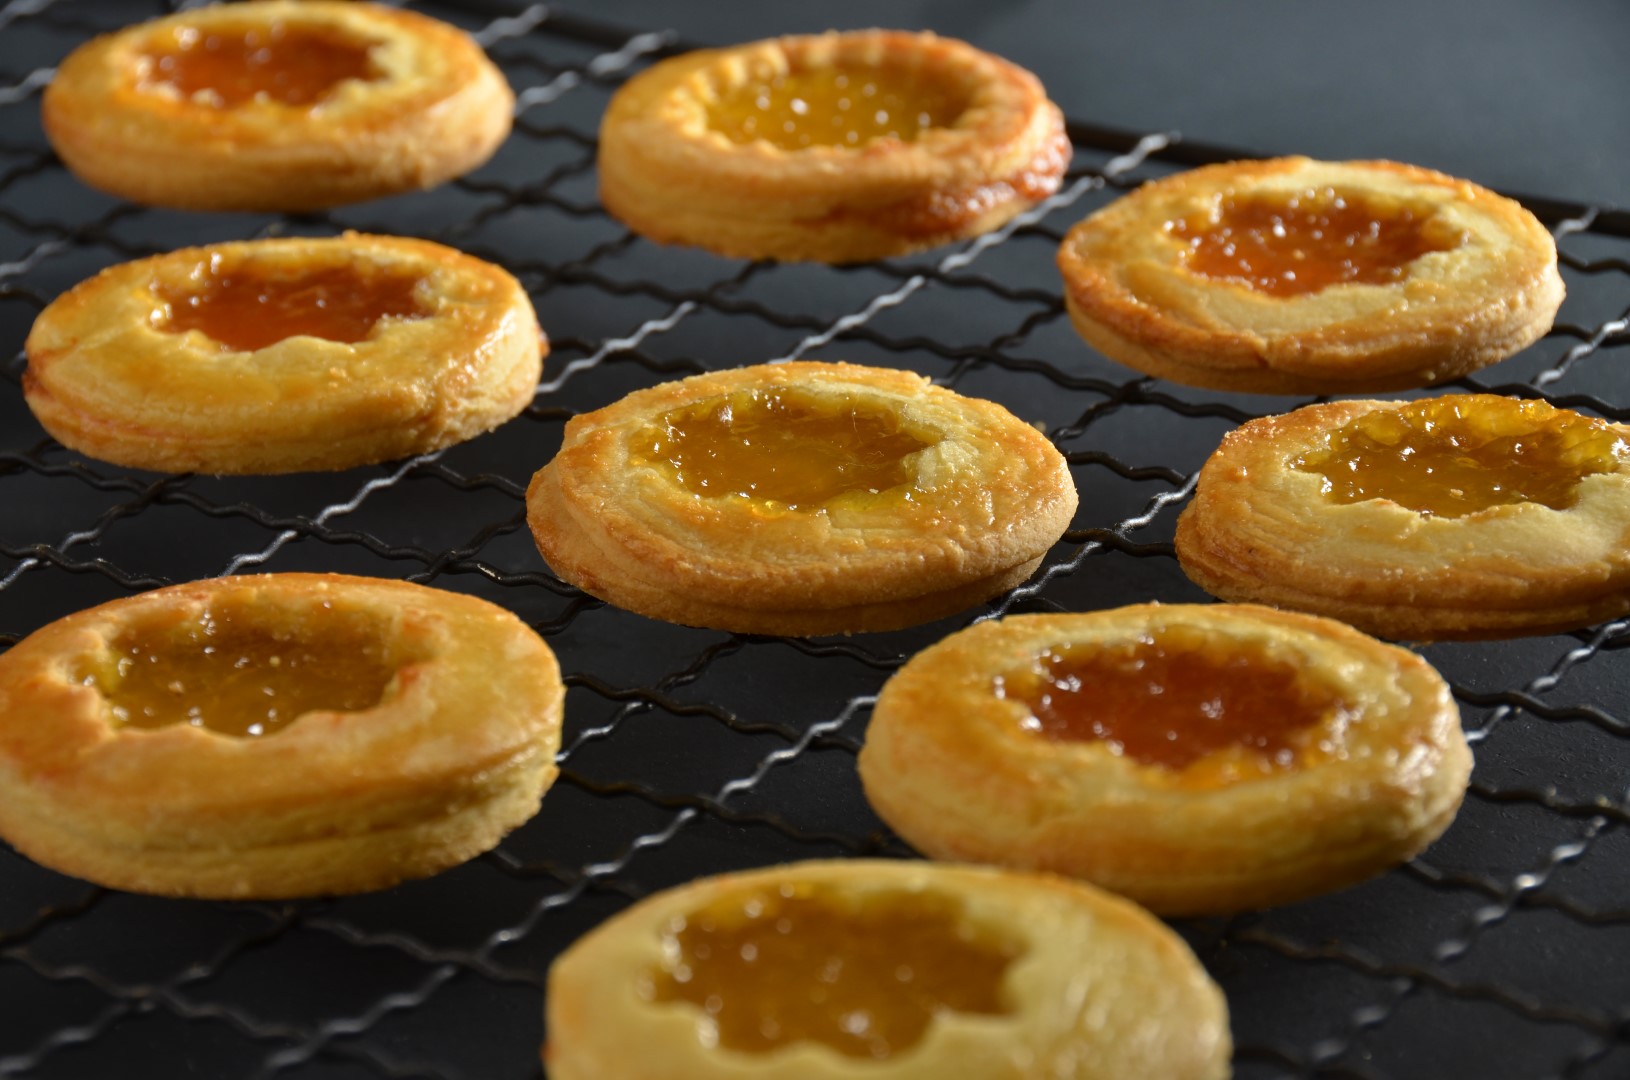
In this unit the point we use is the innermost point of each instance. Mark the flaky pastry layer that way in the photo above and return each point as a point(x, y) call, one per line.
point(992, 495)
point(948, 764)
point(1131, 296)
point(1261, 531)
point(457, 752)
point(1102, 991)
point(669, 177)
point(438, 109)
point(105, 378)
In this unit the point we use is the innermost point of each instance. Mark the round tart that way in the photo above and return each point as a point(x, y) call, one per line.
point(276, 106)
point(1293, 276)
point(894, 971)
point(1458, 517)
point(1197, 759)
point(832, 148)
point(274, 736)
point(800, 498)
point(275, 356)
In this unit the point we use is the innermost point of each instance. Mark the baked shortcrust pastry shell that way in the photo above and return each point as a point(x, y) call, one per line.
point(1259, 530)
point(1131, 296)
point(992, 496)
point(439, 109)
point(104, 378)
point(949, 766)
point(1102, 991)
point(457, 752)
point(671, 178)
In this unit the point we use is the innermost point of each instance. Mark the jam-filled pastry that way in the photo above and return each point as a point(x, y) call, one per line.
point(1195, 758)
point(886, 970)
point(275, 356)
point(274, 736)
point(840, 147)
point(800, 498)
point(1458, 517)
point(276, 105)
point(1293, 276)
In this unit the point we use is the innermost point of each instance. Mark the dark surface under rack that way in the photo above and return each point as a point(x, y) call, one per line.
point(1503, 952)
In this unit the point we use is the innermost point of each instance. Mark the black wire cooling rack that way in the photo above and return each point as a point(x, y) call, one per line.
point(1503, 952)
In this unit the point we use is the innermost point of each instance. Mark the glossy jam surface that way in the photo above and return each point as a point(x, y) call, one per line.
point(835, 107)
point(782, 446)
point(249, 308)
point(865, 976)
point(229, 674)
point(291, 65)
point(1456, 455)
point(1294, 243)
point(1176, 696)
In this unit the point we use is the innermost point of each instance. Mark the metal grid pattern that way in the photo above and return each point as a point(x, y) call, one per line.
point(1500, 953)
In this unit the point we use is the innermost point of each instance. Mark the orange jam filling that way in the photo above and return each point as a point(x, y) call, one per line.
point(1456, 455)
point(1291, 244)
point(783, 446)
point(862, 975)
point(835, 107)
point(248, 308)
point(290, 65)
point(1178, 695)
point(230, 674)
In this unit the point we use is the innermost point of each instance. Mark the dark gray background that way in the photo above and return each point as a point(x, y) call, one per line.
point(1515, 94)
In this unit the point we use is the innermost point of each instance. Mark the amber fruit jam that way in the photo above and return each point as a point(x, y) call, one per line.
point(1177, 695)
point(1294, 243)
point(226, 673)
point(1456, 455)
point(835, 107)
point(783, 446)
point(248, 308)
point(290, 65)
point(863, 975)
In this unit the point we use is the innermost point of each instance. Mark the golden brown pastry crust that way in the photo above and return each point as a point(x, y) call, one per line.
point(1104, 993)
point(1130, 295)
point(1261, 531)
point(669, 177)
point(948, 766)
point(439, 109)
point(994, 496)
point(104, 380)
point(457, 752)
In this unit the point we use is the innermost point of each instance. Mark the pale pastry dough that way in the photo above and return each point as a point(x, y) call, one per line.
point(426, 106)
point(1133, 292)
point(456, 750)
point(968, 514)
point(1260, 529)
point(671, 173)
point(109, 376)
point(956, 762)
point(1096, 989)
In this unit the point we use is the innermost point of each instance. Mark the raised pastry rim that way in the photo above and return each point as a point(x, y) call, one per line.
point(457, 753)
point(440, 109)
point(623, 531)
point(947, 765)
point(1259, 531)
point(1452, 313)
point(1098, 966)
point(103, 380)
point(671, 179)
